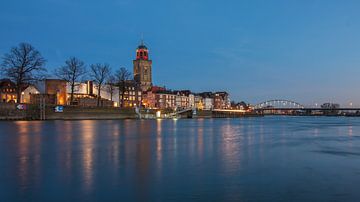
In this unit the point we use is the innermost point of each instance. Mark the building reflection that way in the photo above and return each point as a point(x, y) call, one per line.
point(231, 147)
point(175, 134)
point(28, 152)
point(87, 135)
point(200, 138)
point(65, 142)
point(115, 148)
point(158, 143)
point(23, 152)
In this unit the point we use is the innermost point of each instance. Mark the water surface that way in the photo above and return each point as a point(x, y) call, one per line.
point(250, 159)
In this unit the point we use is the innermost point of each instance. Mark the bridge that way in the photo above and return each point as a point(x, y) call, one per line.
point(282, 106)
point(279, 104)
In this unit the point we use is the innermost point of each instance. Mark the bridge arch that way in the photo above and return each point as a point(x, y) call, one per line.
point(279, 103)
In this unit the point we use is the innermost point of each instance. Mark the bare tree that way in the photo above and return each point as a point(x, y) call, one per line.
point(72, 72)
point(100, 74)
point(111, 84)
point(122, 76)
point(23, 65)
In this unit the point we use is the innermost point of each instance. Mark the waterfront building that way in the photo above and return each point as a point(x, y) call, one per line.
point(239, 106)
point(86, 94)
point(8, 92)
point(27, 92)
point(192, 100)
point(208, 103)
point(207, 100)
point(57, 88)
point(198, 102)
point(182, 99)
point(51, 91)
point(143, 68)
point(148, 100)
point(160, 98)
point(132, 94)
point(221, 100)
point(58, 92)
point(165, 100)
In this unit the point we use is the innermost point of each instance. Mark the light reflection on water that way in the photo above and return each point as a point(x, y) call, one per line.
point(271, 158)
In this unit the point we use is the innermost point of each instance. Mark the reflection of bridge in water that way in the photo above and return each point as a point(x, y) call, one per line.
point(215, 113)
point(279, 106)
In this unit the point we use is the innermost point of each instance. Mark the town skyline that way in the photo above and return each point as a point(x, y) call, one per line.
point(308, 66)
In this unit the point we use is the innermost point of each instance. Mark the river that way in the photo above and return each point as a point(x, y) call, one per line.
point(247, 159)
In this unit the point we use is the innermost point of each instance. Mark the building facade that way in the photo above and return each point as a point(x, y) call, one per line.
point(130, 95)
point(57, 88)
point(7, 91)
point(182, 99)
point(221, 100)
point(159, 98)
point(27, 93)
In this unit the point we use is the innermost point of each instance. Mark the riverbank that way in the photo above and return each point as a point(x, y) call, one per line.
point(33, 112)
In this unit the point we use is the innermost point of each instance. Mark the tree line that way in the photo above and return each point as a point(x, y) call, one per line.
point(24, 65)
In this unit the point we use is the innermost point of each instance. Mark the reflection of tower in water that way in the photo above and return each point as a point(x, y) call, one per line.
point(143, 160)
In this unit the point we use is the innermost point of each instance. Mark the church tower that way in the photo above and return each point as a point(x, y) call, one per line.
point(142, 67)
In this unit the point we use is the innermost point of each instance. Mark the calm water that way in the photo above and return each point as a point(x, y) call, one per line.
point(252, 159)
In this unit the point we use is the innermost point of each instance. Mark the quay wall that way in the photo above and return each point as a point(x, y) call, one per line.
point(32, 112)
point(89, 113)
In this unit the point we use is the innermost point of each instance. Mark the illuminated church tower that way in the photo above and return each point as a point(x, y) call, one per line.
point(142, 67)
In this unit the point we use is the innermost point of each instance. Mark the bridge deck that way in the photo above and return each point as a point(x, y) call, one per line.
point(310, 109)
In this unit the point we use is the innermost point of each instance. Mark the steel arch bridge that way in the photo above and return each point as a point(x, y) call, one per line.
point(279, 104)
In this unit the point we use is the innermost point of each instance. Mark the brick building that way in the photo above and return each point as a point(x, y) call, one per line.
point(221, 100)
point(160, 98)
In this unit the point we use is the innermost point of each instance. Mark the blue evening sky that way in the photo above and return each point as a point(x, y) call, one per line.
point(304, 50)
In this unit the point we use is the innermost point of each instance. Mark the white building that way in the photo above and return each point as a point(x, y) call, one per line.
point(26, 93)
point(192, 101)
point(208, 103)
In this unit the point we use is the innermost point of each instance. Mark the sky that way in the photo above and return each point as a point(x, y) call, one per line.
point(257, 50)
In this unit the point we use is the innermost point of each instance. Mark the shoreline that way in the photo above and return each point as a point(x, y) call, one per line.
point(9, 119)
